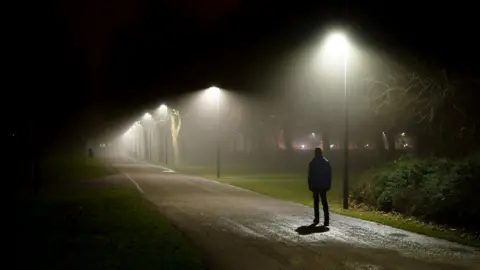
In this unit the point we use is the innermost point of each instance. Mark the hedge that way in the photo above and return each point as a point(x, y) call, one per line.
point(441, 190)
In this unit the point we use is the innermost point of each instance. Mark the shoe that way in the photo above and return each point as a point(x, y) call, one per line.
point(326, 224)
point(316, 221)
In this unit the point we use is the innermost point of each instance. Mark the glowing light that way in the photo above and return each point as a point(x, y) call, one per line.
point(163, 108)
point(332, 145)
point(302, 146)
point(367, 145)
point(147, 116)
point(403, 134)
point(163, 111)
point(213, 92)
point(138, 124)
point(337, 44)
point(313, 134)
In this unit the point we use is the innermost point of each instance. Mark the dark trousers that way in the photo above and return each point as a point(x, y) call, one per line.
point(317, 195)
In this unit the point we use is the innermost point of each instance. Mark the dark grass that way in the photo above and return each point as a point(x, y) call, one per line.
point(85, 226)
point(64, 170)
point(292, 186)
point(285, 185)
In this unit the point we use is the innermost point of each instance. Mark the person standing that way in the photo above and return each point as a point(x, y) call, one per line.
point(319, 183)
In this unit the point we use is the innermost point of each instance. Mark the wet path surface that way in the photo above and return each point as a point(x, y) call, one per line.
point(239, 229)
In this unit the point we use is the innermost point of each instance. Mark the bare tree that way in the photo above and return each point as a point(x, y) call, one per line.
point(428, 102)
point(175, 126)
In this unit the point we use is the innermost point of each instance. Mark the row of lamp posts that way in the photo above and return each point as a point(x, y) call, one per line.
point(149, 122)
point(337, 45)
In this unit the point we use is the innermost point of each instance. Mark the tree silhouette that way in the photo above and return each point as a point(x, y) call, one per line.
point(175, 126)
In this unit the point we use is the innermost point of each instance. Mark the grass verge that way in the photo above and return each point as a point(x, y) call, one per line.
point(293, 187)
point(81, 225)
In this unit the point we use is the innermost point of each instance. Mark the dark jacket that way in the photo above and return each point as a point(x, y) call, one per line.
point(319, 174)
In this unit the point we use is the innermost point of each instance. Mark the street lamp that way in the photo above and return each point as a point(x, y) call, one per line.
point(337, 46)
point(147, 116)
point(136, 144)
point(214, 93)
point(137, 127)
point(128, 140)
point(163, 110)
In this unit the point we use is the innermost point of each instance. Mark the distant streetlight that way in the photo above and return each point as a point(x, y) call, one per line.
point(129, 131)
point(127, 139)
point(147, 116)
point(213, 93)
point(313, 134)
point(163, 111)
point(337, 46)
point(134, 129)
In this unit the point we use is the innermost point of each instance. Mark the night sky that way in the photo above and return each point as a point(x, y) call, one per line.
point(115, 58)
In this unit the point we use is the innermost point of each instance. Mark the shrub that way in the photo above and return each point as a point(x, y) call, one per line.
point(434, 189)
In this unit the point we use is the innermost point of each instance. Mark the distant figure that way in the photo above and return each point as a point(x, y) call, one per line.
point(90, 153)
point(319, 182)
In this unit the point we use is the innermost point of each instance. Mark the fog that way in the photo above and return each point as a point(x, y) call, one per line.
point(391, 101)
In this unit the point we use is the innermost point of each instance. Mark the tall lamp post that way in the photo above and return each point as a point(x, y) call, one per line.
point(148, 134)
point(129, 140)
point(214, 93)
point(163, 110)
point(138, 128)
point(337, 44)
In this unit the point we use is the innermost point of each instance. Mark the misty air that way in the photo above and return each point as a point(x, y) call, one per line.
point(242, 135)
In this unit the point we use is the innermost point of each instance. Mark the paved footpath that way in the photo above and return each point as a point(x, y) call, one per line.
point(239, 229)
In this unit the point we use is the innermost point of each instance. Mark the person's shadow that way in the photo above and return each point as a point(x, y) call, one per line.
point(310, 229)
